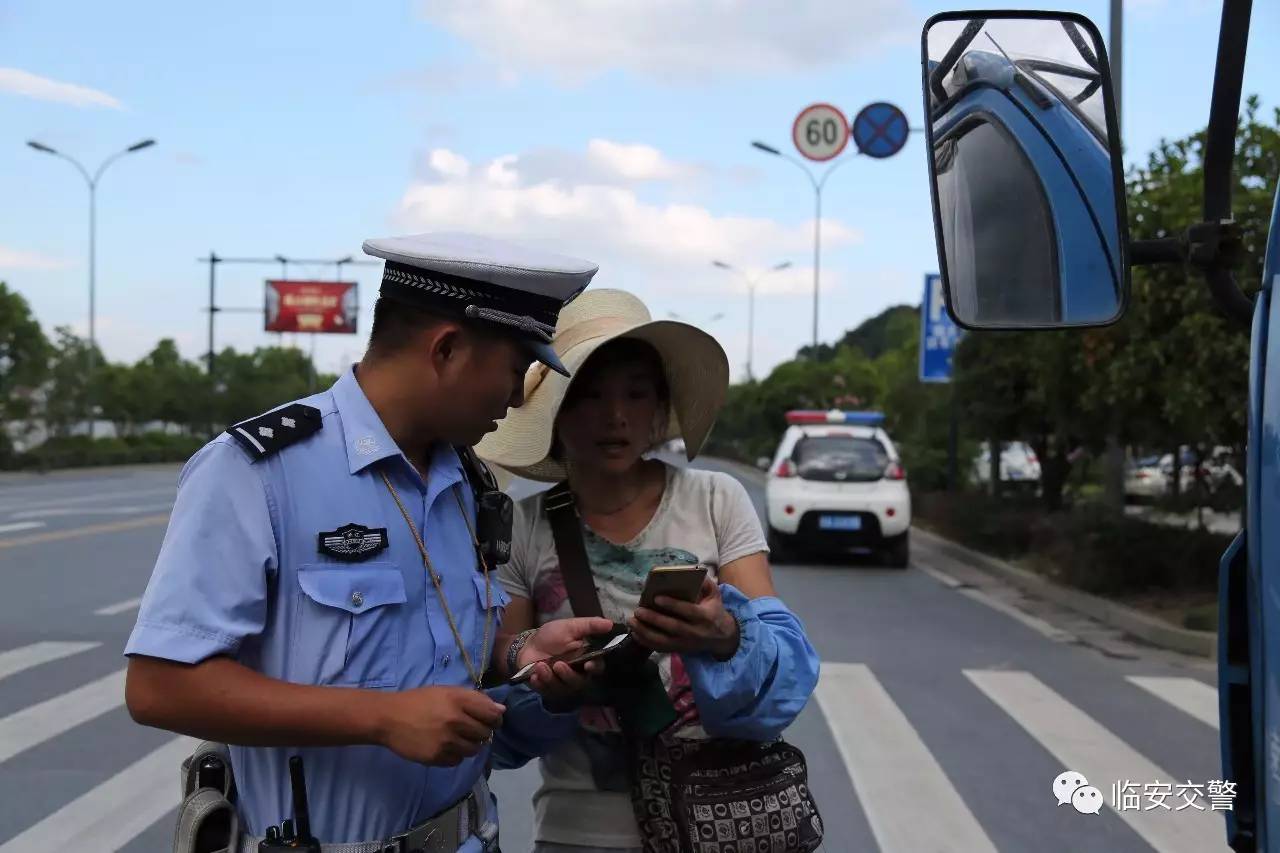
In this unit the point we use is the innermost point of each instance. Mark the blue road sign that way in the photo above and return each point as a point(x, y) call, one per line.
point(939, 334)
point(880, 130)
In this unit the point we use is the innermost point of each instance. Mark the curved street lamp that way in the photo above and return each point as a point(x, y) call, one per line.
point(92, 181)
point(751, 303)
point(818, 184)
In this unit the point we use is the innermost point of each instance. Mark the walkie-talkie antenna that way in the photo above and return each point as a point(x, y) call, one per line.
point(301, 815)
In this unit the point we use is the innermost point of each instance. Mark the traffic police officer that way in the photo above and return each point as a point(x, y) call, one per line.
point(320, 590)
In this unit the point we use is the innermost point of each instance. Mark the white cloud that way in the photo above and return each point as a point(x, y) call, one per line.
point(633, 162)
point(15, 81)
point(18, 260)
point(448, 164)
point(445, 75)
point(650, 246)
point(603, 162)
point(673, 38)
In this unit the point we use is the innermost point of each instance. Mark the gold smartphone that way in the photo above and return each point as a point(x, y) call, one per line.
point(682, 582)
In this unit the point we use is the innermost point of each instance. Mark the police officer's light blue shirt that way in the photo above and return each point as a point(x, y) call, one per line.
point(241, 574)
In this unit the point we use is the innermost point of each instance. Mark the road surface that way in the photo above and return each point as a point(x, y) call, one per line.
point(947, 706)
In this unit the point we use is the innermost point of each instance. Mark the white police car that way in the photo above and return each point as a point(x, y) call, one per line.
point(836, 482)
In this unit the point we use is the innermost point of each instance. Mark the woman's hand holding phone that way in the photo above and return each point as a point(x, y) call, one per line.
point(557, 681)
point(672, 625)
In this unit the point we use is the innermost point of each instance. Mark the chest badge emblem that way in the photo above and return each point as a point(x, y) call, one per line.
point(353, 542)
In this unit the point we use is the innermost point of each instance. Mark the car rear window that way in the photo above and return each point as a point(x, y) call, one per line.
point(842, 458)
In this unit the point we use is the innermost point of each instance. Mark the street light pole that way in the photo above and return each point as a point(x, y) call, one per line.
point(818, 184)
point(751, 304)
point(92, 181)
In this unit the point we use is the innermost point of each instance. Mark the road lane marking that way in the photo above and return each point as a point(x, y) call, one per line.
point(33, 726)
point(1186, 694)
point(892, 770)
point(114, 813)
point(91, 530)
point(121, 607)
point(942, 577)
point(20, 525)
point(1084, 745)
point(26, 657)
point(1035, 623)
point(83, 499)
point(60, 512)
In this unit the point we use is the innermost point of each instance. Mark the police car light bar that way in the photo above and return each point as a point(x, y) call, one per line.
point(800, 417)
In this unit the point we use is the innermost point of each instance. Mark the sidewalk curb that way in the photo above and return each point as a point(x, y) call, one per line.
point(1131, 621)
point(1146, 628)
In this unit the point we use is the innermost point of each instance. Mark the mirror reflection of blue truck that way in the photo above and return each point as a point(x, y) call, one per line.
point(835, 483)
point(1032, 230)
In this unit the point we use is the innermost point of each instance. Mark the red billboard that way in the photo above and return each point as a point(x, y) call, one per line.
point(311, 306)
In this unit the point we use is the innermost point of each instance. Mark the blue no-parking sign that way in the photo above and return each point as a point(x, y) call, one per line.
point(939, 334)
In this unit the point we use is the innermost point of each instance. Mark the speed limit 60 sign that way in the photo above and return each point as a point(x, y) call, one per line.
point(821, 132)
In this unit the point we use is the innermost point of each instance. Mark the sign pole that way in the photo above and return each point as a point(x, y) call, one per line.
point(953, 442)
point(817, 259)
point(213, 309)
point(939, 337)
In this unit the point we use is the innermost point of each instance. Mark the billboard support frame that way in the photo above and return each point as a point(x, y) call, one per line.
point(213, 308)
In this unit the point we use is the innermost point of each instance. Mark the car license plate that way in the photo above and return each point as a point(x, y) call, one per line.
point(839, 522)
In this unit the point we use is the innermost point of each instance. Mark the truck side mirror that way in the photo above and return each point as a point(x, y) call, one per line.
point(1027, 177)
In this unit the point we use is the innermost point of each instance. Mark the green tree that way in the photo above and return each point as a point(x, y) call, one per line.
point(251, 383)
point(885, 332)
point(24, 361)
point(67, 392)
point(1175, 370)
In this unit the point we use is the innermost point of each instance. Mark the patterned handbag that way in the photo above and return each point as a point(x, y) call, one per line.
point(716, 795)
point(722, 796)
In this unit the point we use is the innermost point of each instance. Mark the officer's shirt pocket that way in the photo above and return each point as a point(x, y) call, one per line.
point(498, 602)
point(350, 624)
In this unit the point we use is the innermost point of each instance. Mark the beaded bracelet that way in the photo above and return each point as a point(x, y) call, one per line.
point(513, 651)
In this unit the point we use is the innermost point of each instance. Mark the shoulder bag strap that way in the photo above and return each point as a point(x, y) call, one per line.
point(566, 529)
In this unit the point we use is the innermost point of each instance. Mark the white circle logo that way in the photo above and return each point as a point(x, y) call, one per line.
point(1066, 784)
point(820, 132)
point(1087, 800)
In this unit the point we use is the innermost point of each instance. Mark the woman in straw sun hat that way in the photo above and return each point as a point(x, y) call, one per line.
point(735, 664)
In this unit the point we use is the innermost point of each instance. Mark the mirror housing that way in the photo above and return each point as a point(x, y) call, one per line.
point(1026, 175)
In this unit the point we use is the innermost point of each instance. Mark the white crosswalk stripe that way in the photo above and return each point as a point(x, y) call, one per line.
point(900, 785)
point(121, 607)
point(17, 526)
point(115, 812)
point(17, 660)
point(1084, 745)
point(33, 726)
point(894, 772)
point(1186, 694)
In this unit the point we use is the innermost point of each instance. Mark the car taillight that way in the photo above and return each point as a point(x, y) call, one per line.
point(786, 468)
point(895, 472)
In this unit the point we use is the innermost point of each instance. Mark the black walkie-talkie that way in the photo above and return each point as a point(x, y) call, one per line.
point(293, 834)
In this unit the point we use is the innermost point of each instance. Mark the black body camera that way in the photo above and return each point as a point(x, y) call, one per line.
point(495, 511)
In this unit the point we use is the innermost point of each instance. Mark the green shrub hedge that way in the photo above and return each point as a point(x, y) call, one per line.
point(1089, 548)
point(80, 451)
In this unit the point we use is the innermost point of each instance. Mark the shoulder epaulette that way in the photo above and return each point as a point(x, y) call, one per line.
point(265, 434)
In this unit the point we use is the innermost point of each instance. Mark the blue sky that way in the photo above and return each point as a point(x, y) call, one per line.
point(612, 130)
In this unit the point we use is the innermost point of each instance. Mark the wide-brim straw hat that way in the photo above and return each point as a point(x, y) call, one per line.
point(695, 364)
